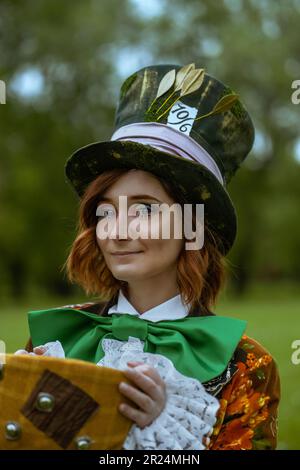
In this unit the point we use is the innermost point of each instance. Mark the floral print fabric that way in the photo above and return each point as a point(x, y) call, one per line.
point(247, 417)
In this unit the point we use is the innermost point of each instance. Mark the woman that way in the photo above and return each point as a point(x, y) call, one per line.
point(198, 382)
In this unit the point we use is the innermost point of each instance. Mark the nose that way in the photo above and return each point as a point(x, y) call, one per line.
point(121, 228)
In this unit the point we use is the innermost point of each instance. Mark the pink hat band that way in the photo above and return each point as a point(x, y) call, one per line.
point(170, 140)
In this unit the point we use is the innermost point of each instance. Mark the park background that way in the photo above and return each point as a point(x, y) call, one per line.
point(63, 64)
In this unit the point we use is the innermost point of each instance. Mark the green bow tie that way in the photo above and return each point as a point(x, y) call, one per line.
point(199, 347)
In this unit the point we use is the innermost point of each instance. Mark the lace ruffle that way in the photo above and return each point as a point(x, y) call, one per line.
point(52, 349)
point(190, 412)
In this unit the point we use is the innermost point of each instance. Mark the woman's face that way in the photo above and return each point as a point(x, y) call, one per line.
point(148, 257)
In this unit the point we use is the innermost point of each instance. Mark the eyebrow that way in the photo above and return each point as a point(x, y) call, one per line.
point(139, 196)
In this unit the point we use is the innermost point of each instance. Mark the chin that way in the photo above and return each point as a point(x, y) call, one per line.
point(127, 275)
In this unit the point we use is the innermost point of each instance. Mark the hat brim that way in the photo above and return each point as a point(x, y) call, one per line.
point(197, 183)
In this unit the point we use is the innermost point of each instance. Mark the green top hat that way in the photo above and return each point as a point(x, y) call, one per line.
point(180, 123)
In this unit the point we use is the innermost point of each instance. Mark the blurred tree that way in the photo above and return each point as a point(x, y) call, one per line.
point(63, 65)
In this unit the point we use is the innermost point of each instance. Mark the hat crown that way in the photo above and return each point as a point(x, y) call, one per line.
point(227, 135)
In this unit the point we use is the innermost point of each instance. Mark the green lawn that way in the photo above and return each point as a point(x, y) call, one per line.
point(273, 315)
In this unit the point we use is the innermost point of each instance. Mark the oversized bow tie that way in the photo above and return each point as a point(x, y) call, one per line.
point(199, 347)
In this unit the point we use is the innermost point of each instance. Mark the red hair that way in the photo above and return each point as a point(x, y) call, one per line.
point(200, 273)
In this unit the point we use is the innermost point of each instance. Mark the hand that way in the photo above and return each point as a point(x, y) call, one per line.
point(150, 394)
point(38, 350)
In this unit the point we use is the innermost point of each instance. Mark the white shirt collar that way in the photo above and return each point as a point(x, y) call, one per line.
point(171, 309)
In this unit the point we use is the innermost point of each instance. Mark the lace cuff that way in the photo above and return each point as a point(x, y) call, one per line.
point(190, 412)
point(52, 349)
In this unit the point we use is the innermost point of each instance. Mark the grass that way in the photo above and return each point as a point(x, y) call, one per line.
point(273, 316)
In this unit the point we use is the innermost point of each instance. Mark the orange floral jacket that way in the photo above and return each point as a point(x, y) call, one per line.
point(247, 417)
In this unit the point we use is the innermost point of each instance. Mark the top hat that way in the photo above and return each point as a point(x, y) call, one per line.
point(182, 124)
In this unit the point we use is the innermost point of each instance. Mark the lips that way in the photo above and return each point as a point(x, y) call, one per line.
point(121, 253)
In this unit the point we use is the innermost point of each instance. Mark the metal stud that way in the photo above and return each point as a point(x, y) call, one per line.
point(45, 402)
point(12, 430)
point(83, 442)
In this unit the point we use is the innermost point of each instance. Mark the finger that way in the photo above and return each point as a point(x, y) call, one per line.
point(39, 350)
point(144, 382)
point(139, 398)
point(21, 351)
point(151, 372)
point(139, 417)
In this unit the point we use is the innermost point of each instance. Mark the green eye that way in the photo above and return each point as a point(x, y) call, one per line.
point(110, 213)
point(145, 209)
point(106, 213)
